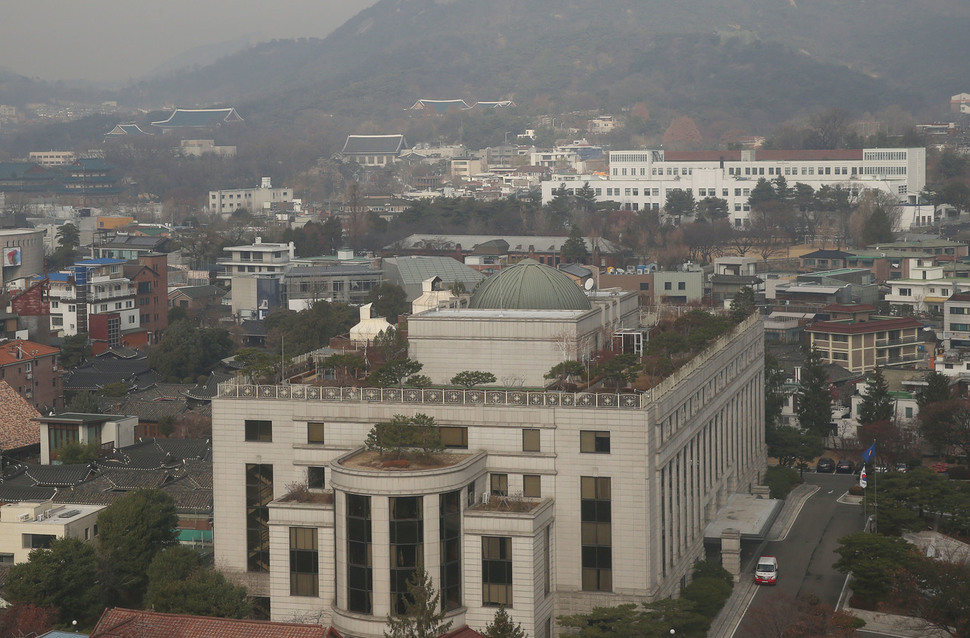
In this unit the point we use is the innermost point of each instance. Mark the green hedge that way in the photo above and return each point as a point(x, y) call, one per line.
point(780, 480)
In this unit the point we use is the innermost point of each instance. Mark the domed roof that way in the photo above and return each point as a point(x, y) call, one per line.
point(529, 285)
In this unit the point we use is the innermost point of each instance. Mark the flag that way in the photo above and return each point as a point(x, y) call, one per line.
point(862, 477)
point(868, 454)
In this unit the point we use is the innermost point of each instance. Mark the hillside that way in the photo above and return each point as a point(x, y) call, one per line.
point(743, 60)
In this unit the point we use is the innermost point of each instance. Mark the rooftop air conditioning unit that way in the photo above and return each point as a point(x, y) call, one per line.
point(485, 497)
point(24, 517)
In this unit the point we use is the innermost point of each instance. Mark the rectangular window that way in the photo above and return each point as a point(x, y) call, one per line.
point(532, 485)
point(531, 440)
point(681, 285)
point(454, 437)
point(449, 533)
point(499, 484)
point(6, 559)
point(259, 492)
point(258, 430)
point(316, 478)
point(594, 442)
point(668, 285)
point(360, 570)
point(596, 532)
point(304, 562)
point(497, 571)
point(314, 432)
point(407, 546)
point(38, 541)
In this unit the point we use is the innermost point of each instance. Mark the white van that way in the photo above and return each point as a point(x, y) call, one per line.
point(766, 572)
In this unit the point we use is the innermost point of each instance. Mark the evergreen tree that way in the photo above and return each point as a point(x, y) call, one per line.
point(679, 203)
point(937, 389)
point(877, 404)
point(503, 627)
point(813, 399)
point(574, 248)
point(775, 397)
point(470, 378)
point(877, 228)
point(743, 304)
point(423, 616)
point(63, 576)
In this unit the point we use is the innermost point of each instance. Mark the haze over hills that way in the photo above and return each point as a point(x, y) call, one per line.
point(729, 56)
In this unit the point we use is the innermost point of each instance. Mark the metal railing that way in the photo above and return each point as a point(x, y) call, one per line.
point(435, 396)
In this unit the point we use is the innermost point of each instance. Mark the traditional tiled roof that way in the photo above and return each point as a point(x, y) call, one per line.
point(131, 623)
point(10, 493)
point(17, 426)
point(374, 145)
point(500, 104)
point(96, 374)
point(827, 254)
point(517, 243)
point(208, 390)
point(199, 118)
point(57, 475)
point(127, 129)
point(198, 292)
point(440, 106)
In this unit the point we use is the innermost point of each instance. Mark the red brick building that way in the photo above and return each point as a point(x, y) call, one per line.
point(150, 276)
point(33, 371)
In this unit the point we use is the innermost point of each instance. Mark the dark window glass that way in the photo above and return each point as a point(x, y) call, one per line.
point(360, 572)
point(500, 484)
point(497, 571)
point(304, 562)
point(449, 533)
point(257, 430)
point(259, 492)
point(314, 432)
point(454, 437)
point(532, 486)
point(316, 478)
point(407, 547)
point(594, 442)
point(596, 533)
point(531, 440)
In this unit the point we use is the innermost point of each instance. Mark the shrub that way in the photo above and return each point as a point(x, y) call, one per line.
point(780, 480)
point(857, 490)
point(708, 595)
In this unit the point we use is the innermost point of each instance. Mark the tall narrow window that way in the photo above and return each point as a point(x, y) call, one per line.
point(497, 571)
point(532, 485)
point(304, 562)
point(407, 547)
point(531, 440)
point(500, 484)
point(449, 532)
point(360, 570)
point(314, 432)
point(597, 540)
point(259, 492)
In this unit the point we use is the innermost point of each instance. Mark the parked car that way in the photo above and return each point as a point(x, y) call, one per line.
point(766, 572)
point(881, 467)
point(825, 464)
point(900, 467)
point(844, 466)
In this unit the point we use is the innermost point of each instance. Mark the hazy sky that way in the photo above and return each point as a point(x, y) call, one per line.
point(118, 40)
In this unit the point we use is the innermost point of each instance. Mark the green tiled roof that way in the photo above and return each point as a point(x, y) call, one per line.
point(530, 285)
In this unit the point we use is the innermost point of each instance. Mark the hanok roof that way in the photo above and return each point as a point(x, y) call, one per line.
point(863, 327)
point(827, 254)
point(127, 129)
point(517, 243)
point(198, 292)
point(132, 623)
point(17, 426)
point(374, 145)
point(441, 106)
point(500, 104)
point(99, 372)
point(199, 118)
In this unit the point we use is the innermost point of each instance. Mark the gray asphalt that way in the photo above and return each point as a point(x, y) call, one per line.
point(806, 555)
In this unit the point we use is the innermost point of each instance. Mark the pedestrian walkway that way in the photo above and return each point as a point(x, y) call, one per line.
point(727, 621)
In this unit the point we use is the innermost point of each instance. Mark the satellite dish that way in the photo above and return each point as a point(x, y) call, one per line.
point(589, 285)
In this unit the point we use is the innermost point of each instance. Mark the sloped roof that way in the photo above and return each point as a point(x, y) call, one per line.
point(131, 623)
point(22, 350)
point(415, 269)
point(97, 373)
point(441, 106)
point(827, 254)
point(517, 243)
point(198, 292)
point(57, 475)
point(17, 426)
point(529, 285)
point(127, 129)
point(198, 118)
point(499, 104)
point(374, 145)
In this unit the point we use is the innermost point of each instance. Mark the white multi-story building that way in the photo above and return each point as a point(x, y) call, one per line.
point(107, 291)
point(29, 525)
point(260, 258)
point(52, 158)
point(927, 288)
point(546, 503)
point(641, 179)
point(255, 200)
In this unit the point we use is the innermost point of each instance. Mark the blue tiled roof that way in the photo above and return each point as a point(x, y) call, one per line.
point(199, 118)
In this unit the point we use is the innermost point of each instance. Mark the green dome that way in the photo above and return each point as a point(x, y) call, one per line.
point(529, 285)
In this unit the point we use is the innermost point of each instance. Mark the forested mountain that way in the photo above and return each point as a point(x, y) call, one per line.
point(744, 61)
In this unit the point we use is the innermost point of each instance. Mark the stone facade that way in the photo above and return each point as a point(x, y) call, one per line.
point(527, 470)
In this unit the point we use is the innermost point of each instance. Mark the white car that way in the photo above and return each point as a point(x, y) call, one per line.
point(766, 573)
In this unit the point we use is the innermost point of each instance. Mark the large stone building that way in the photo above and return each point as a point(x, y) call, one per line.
point(546, 502)
point(642, 179)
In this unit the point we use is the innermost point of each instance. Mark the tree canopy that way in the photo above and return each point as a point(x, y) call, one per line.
point(814, 401)
point(423, 616)
point(388, 301)
point(574, 249)
point(178, 583)
point(877, 404)
point(187, 351)
point(131, 532)
point(471, 378)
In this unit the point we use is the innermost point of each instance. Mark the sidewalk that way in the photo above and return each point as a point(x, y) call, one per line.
point(727, 620)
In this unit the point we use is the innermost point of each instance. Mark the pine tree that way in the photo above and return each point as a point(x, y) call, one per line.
point(503, 627)
point(937, 389)
point(877, 404)
point(423, 616)
point(574, 248)
point(814, 404)
point(743, 304)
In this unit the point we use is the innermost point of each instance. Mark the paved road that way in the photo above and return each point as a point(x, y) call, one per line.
point(806, 554)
